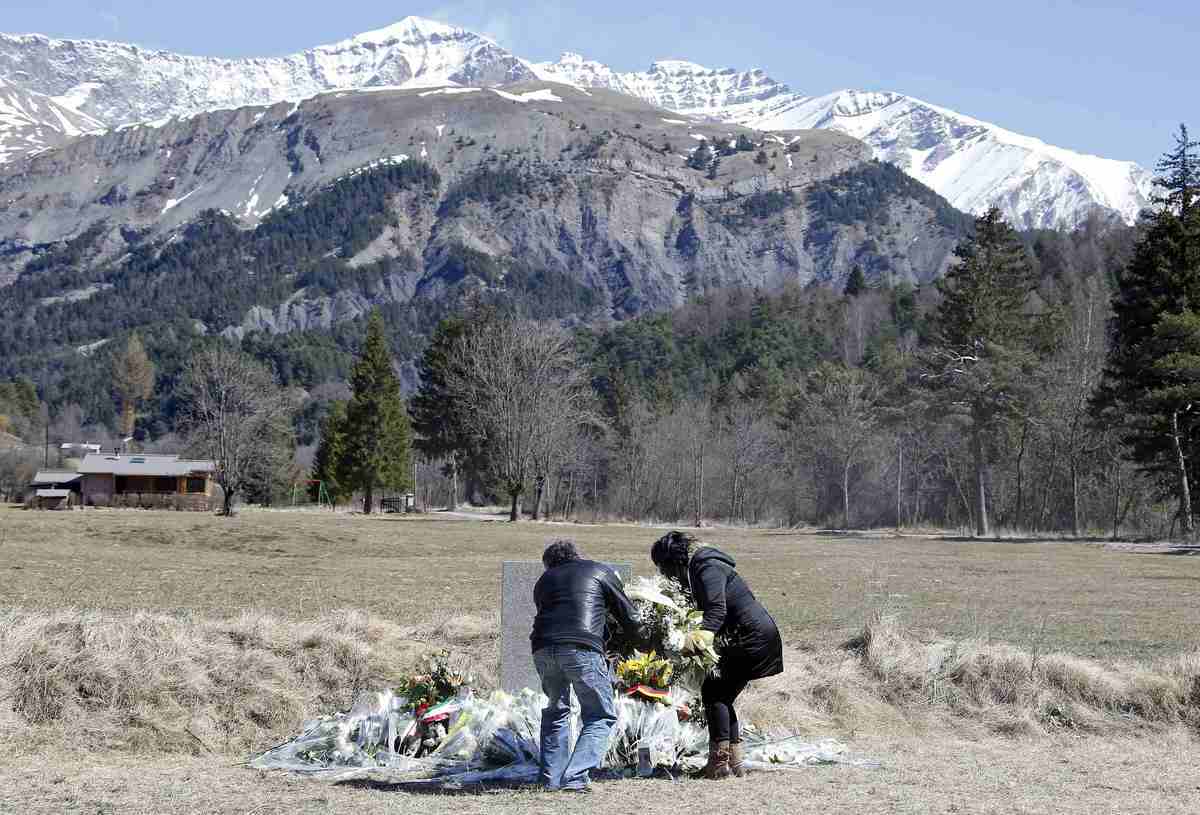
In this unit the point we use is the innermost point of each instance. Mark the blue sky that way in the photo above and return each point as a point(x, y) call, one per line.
point(1106, 78)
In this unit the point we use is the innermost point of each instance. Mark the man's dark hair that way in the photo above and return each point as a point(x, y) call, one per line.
point(558, 553)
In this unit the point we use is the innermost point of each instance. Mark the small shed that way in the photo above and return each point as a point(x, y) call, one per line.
point(57, 480)
point(49, 498)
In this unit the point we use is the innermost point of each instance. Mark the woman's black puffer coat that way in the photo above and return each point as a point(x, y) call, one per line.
point(752, 646)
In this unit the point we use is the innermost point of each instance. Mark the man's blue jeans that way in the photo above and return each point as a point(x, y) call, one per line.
point(563, 668)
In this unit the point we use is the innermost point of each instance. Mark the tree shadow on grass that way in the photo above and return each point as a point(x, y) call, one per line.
point(1177, 549)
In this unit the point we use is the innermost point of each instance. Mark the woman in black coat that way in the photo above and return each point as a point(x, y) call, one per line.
point(746, 636)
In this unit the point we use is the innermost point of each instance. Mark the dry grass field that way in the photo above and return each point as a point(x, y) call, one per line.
point(143, 655)
point(1078, 598)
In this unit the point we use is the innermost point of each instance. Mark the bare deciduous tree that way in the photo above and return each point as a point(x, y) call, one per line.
point(524, 394)
point(235, 413)
point(18, 464)
point(837, 412)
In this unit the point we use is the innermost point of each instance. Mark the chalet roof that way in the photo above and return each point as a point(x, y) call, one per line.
point(55, 477)
point(143, 464)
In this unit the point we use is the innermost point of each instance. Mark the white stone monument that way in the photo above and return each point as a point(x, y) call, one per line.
point(517, 579)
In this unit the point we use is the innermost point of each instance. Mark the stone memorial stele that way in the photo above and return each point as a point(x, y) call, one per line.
point(517, 579)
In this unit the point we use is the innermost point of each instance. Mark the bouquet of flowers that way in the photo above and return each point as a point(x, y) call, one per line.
point(666, 613)
point(438, 677)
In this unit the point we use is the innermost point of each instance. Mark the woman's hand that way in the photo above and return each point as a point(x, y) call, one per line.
point(698, 641)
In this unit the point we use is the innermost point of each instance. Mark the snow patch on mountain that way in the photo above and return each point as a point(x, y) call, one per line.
point(974, 164)
point(31, 123)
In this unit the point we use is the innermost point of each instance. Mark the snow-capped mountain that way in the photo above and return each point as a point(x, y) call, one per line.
point(672, 84)
point(972, 163)
point(30, 122)
point(119, 83)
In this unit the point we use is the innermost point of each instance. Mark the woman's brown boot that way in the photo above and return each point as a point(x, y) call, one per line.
point(737, 760)
point(718, 761)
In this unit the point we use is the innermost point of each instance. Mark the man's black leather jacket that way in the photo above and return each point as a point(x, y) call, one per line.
point(573, 602)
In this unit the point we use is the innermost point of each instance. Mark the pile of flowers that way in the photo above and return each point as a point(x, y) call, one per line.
point(433, 728)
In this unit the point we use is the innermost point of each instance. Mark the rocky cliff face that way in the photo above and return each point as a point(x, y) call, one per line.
point(534, 182)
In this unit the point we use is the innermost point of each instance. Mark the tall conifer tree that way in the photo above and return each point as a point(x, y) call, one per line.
point(1150, 386)
point(377, 453)
point(981, 361)
point(133, 381)
point(440, 426)
point(328, 460)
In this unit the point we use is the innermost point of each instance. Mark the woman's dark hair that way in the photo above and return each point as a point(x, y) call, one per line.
point(670, 554)
point(558, 553)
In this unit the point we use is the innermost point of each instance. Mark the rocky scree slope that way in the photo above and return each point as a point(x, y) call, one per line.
point(297, 217)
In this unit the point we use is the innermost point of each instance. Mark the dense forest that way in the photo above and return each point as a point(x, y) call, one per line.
point(806, 406)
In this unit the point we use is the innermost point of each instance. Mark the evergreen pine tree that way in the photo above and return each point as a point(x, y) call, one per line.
point(856, 283)
point(441, 432)
point(980, 362)
point(701, 157)
point(1148, 389)
point(377, 453)
point(328, 458)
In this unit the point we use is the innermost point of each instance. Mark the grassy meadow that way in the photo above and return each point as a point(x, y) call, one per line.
point(144, 654)
point(1081, 598)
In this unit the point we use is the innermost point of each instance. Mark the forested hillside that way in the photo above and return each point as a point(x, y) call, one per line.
point(587, 209)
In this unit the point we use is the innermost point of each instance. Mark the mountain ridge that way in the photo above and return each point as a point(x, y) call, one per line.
point(973, 163)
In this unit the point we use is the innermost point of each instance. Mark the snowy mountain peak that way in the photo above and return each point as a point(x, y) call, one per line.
point(680, 66)
point(674, 84)
point(120, 84)
point(413, 30)
point(972, 163)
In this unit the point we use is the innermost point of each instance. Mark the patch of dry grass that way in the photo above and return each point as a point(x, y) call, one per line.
point(152, 682)
point(124, 634)
point(1016, 691)
point(182, 683)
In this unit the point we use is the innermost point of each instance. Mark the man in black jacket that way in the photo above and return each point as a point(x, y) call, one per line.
point(573, 599)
